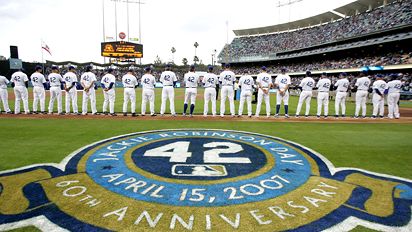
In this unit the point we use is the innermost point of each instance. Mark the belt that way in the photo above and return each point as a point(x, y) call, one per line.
point(211, 87)
point(129, 87)
point(342, 91)
point(191, 87)
point(323, 91)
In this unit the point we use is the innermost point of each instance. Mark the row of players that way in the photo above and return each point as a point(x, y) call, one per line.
point(210, 80)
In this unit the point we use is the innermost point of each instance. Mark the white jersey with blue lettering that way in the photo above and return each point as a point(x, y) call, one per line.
point(148, 81)
point(307, 84)
point(323, 85)
point(70, 78)
point(191, 79)
point(129, 81)
point(3, 82)
point(342, 85)
point(380, 85)
point(227, 78)
point(167, 78)
point(210, 80)
point(55, 79)
point(19, 78)
point(363, 83)
point(87, 78)
point(282, 80)
point(107, 79)
point(246, 83)
point(37, 79)
point(394, 86)
point(264, 80)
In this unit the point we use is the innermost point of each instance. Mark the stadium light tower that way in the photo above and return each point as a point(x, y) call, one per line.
point(286, 3)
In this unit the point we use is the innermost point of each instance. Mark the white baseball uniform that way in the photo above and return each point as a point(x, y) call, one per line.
point(55, 80)
point(323, 86)
point(227, 79)
point(264, 82)
point(246, 84)
point(341, 93)
point(377, 100)
point(282, 81)
point(4, 95)
point(394, 89)
point(129, 83)
point(88, 80)
point(191, 81)
point(361, 95)
point(109, 95)
point(39, 94)
point(70, 79)
point(210, 80)
point(307, 85)
point(168, 78)
point(148, 84)
point(20, 91)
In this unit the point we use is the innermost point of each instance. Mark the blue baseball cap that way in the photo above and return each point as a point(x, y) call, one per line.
point(264, 68)
point(89, 68)
point(308, 73)
point(38, 67)
point(227, 65)
point(283, 69)
point(147, 69)
point(71, 67)
point(210, 67)
point(343, 74)
point(55, 68)
point(379, 76)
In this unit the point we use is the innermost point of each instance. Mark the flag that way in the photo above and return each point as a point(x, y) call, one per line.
point(45, 47)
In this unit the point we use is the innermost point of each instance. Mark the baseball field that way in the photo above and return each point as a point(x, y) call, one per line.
point(380, 146)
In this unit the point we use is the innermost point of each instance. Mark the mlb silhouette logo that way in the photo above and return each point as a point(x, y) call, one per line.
point(198, 170)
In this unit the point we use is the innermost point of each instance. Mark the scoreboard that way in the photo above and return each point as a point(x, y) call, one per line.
point(122, 49)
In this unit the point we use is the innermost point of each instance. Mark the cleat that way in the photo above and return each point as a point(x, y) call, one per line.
point(317, 116)
point(153, 115)
point(191, 115)
point(306, 116)
point(35, 112)
point(343, 116)
point(250, 116)
point(325, 117)
point(184, 114)
point(174, 115)
point(296, 116)
point(113, 114)
point(105, 113)
point(61, 113)
point(336, 116)
point(133, 114)
point(286, 116)
point(9, 112)
point(125, 114)
point(276, 116)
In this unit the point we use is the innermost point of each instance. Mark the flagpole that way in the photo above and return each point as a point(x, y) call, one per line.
point(42, 56)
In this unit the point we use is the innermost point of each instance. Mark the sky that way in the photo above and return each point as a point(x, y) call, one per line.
point(73, 29)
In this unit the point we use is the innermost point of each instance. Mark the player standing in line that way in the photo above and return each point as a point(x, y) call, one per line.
point(210, 82)
point(4, 95)
point(108, 83)
point(56, 81)
point(39, 94)
point(191, 80)
point(129, 83)
point(168, 79)
point(20, 82)
point(70, 80)
point(264, 83)
point(342, 86)
point(88, 80)
point(282, 82)
point(148, 95)
point(246, 85)
point(362, 84)
point(307, 85)
point(227, 80)
point(394, 89)
point(323, 86)
point(378, 99)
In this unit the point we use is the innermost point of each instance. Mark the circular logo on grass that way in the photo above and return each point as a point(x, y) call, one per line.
point(201, 180)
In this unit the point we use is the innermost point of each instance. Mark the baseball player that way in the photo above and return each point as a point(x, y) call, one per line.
point(378, 98)
point(4, 95)
point(282, 82)
point(70, 80)
point(20, 82)
point(88, 80)
point(394, 89)
point(264, 83)
point(108, 83)
point(56, 81)
point(246, 84)
point(227, 80)
point(362, 84)
point(307, 84)
point(323, 86)
point(168, 79)
point(210, 82)
point(129, 83)
point(39, 94)
point(191, 80)
point(342, 86)
point(148, 85)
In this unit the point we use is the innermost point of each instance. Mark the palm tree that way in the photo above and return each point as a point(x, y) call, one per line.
point(196, 45)
point(173, 50)
point(196, 59)
point(185, 61)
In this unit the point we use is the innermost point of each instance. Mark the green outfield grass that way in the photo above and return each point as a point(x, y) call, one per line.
point(179, 100)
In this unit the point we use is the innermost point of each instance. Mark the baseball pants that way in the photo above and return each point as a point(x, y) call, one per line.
point(246, 95)
point(91, 94)
point(5, 99)
point(340, 102)
point(109, 98)
point(393, 107)
point(148, 96)
point(323, 100)
point(21, 94)
point(227, 92)
point(307, 97)
point(284, 98)
point(55, 93)
point(378, 105)
point(39, 96)
point(210, 95)
point(71, 96)
point(361, 97)
point(129, 95)
point(190, 95)
point(266, 97)
point(168, 92)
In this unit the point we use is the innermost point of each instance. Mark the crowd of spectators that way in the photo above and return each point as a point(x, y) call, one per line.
point(385, 17)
